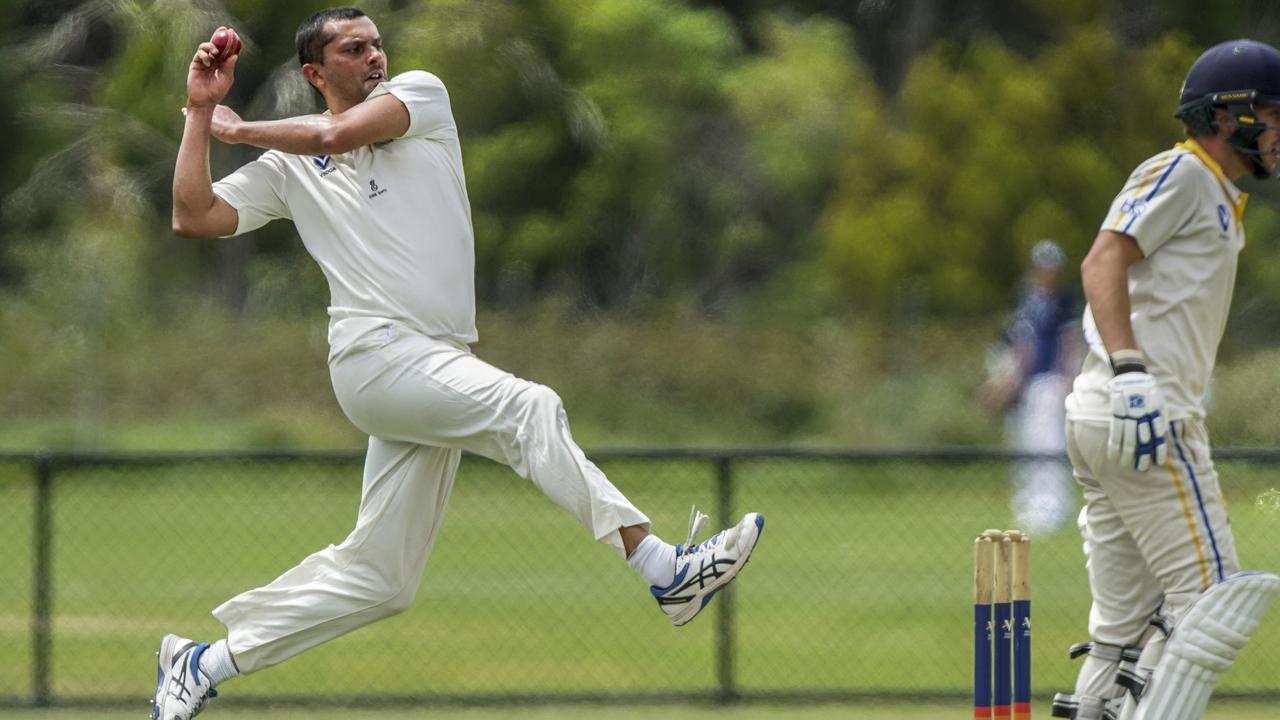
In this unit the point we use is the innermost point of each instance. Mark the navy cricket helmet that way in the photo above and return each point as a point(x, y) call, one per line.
point(1235, 76)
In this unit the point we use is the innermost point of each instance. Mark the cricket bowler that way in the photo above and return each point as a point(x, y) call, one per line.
point(376, 190)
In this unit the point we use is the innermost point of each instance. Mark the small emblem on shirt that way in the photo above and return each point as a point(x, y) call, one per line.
point(1134, 207)
point(1223, 216)
point(324, 163)
point(374, 190)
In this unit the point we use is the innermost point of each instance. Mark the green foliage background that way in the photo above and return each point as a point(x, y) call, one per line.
point(702, 222)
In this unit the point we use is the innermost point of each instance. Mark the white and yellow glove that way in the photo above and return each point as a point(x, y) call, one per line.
point(1138, 424)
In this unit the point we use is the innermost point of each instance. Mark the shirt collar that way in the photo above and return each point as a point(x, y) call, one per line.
point(1233, 193)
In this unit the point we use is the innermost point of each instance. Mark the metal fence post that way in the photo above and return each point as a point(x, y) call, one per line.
point(727, 691)
point(42, 582)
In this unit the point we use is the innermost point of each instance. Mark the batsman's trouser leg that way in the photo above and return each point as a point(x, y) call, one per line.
point(422, 394)
point(1153, 538)
point(373, 574)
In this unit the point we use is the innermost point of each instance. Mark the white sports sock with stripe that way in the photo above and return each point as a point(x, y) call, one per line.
point(655, 560)
point(217, 664)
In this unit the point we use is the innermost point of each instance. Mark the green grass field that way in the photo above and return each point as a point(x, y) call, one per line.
point(862, 583)
point(1226, 710)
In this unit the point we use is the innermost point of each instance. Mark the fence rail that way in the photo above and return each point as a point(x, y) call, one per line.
point(859, 589)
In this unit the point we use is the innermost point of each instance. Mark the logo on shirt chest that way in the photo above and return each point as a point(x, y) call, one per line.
point(324, 163)
point(375, 190)
point(1224, 218)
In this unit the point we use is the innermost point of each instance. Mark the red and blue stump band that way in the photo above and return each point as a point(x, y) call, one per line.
point(982, 662)
point(1002, 690)
point(1022, 659)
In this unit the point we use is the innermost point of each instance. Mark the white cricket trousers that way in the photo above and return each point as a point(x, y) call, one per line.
point(1044, 496)
point(422, 401)
point(1154, 541)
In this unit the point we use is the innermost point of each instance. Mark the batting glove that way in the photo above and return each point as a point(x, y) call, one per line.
point(1138, 424)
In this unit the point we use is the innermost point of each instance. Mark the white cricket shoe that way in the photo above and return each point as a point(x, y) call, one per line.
point(182, 689)
point(703, 569)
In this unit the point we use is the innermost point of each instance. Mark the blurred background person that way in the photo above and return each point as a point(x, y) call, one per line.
point(1029, 378)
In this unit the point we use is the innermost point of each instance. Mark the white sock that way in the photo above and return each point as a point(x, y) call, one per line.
point(217, 664)
point(654, 560)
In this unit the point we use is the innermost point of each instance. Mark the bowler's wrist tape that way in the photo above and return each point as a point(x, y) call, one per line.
point(1127, 361)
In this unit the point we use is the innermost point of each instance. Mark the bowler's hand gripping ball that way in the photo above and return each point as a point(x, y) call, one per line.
point(228, 44)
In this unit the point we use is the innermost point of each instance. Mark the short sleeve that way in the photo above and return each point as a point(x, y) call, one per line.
point(427, 101)
point(256, 191)
point(1157, 200)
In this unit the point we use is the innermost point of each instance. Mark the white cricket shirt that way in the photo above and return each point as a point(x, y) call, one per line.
point(389, 224)
point(1185, 215)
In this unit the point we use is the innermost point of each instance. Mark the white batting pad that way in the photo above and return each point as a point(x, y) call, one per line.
point(1204, 644)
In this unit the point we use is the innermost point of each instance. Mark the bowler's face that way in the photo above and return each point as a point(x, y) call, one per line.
point(354, 62)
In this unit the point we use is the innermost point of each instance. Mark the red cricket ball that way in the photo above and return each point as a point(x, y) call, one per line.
point(228, 44)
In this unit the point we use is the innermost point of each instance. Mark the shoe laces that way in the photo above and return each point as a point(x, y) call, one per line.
point(696, 522)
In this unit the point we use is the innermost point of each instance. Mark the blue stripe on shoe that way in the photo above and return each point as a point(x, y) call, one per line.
point(759, 522)
point(195, 660)
point(1204, 512)
point(660, 591)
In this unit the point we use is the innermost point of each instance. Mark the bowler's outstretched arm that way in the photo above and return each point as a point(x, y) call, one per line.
point(197, 212)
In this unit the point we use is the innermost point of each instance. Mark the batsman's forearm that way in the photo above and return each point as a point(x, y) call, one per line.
point(303, 135)
point(1106, 287)
point(192, 185)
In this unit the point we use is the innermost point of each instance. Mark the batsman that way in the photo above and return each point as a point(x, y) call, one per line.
point(376, 189)
point(1171, 608)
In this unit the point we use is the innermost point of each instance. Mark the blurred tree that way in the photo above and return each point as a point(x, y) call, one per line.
point(1207, 22)
point(795, 98)
point(890, 33)
point(623, 150)
point(986, 152)
point(884, 153)
point(34, 39)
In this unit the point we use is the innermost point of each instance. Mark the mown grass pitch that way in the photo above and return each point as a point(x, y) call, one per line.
point(861, 583)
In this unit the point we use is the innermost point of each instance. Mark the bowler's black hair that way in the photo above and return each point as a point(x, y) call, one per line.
point(312, 35)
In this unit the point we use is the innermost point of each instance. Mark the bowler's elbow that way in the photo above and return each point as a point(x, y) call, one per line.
point(330, 143)
point(219, 219)
point(180, 227)
point(185, 227)
point(336, 139)
point(182, 232)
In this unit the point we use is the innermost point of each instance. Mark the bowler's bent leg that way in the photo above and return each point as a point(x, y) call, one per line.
point(373, 574)
point(435, 392)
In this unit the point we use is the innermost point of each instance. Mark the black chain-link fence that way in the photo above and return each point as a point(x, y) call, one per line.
point(861, 585)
